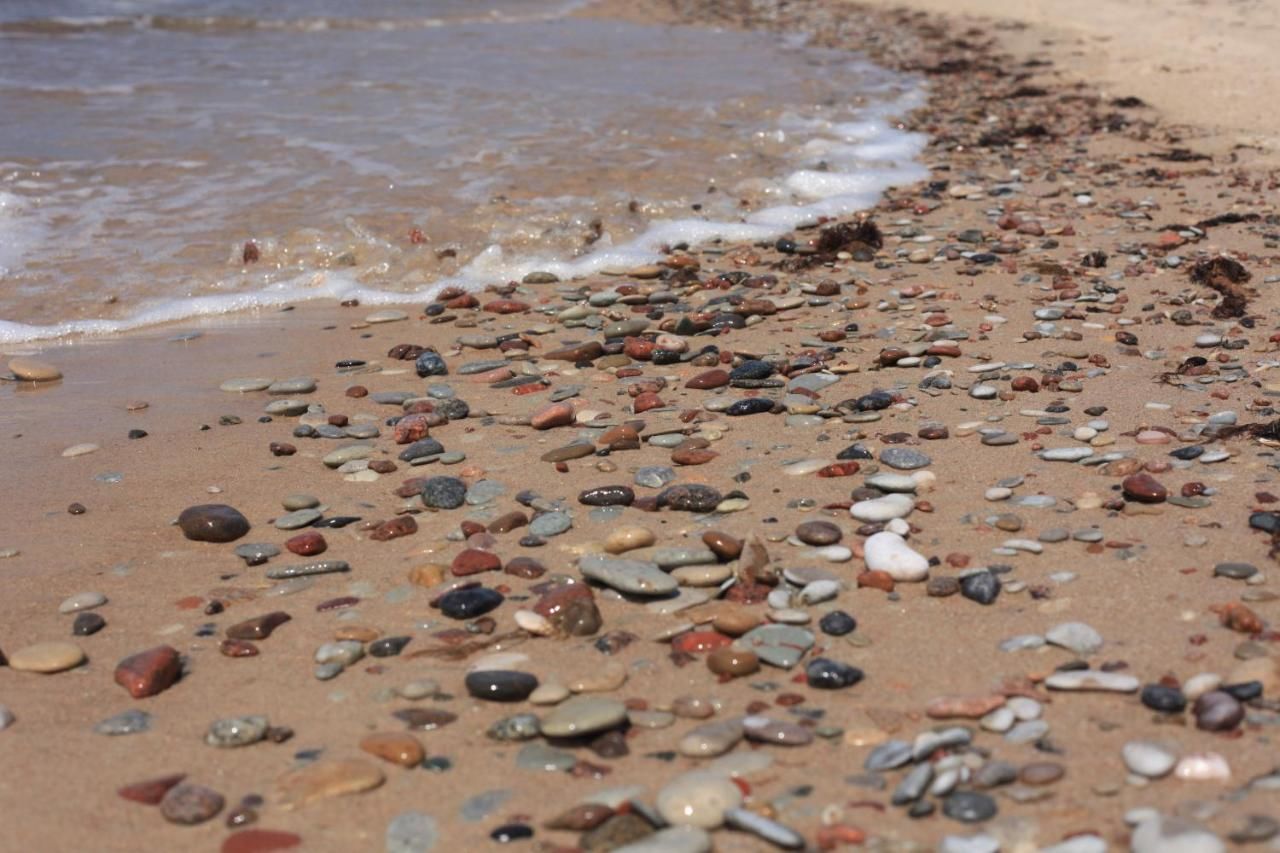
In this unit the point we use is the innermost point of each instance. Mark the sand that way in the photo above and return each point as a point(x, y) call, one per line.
point(1147, 587)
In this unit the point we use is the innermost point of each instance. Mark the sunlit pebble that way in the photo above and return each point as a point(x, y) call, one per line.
point(214, 490)
point(1203, 767)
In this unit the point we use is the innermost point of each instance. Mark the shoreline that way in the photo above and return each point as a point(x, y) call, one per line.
point(1048, 245)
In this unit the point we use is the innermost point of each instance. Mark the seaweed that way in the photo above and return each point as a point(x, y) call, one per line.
point(1227, 277)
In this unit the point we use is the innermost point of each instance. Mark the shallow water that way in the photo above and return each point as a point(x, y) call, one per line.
point(384, 152)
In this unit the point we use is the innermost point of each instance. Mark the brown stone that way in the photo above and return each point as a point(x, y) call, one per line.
point(818, 533)
point(709, 379)
point(875, 579)
point(581, 817)
point(692, 456)
point(150, 672)
point(150, 791)
point(396, 747)
point(238, 648)
point(553, 415)
point(1024, 383)
point(734, 663)
point(645, 401)
point(1041, 773)
point(735, 621)
point(306, 544)
point(259, 627)
point(411, 428)
point(425, 719)
point(589, 351)
point(571, 609)
point(473, 561)
point(401, 525)
point(525, 567)
point(1144, 488)
point(723, 545)
point(568, 452)
point(506, 306)
point(324, 779)
point(508, 522)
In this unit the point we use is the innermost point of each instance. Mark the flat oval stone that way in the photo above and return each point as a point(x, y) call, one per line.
point(501, 685)
point(324, 779)
point(213, 523)
point(583, 715)
point(469, 603)
point(1084, 679)
point(395, 747)
point(698, 798)
point(48, 657)
point(904, 458)
point(232, 732)
point(88, 623)
point(777, 645)
point(82, 601)
point(33, 370)
point(818, 533)
point(635, 577)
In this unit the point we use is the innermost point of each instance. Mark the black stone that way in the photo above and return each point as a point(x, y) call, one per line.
point(453, 408)
point(469, 603)
point(1268, 522)
point(336, 522)
point(509, 832)
point(444, 492)
point(969, 807)
point(837, 623)
point(388, 647)
point(501, 685)
point(854, 451)
point(607, 496)
point(827, 674)
point(137, 433)
point(1169, 700)
point(422, 447)
point(430, 364)
point(982, 587)
point(873, 402)
point(1191, 451)
point(1245, 691)
point(87, 623)
point(752, 370)
point(750, 406)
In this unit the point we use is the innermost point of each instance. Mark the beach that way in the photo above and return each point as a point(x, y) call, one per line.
point(945, 523)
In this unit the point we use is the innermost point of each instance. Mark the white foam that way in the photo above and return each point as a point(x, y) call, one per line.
point(19, 231)
point(861, 159)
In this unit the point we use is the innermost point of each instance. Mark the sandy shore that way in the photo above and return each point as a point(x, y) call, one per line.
point(1034, 295)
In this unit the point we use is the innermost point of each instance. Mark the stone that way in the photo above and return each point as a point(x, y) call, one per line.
point(444, 492)
point(324, 779)
point(259, 627)
point(1086, 679)
point(628, 538)
point(980, 586)
point(87, 624)
point(395, 747)
point(1217, 711)
point(777, 645)
point(47, 657)
point(583, 715)
point(698, 798)
point(1076, 637)
point(818, 533)
point(733, 663)
point(690, 497)
point(969, 807)
point(82, 601)
point(1144, 488)
point(904, 458)
point(150, 792)
point(889, 552)
point(470, 602)
point(552, 415)
point(607, 496)
point(500, 685)
point(411, 832)
point(231, 732)
point(149, 672)
point(188, 804)
point(1148, 758)
point(213, 523)
point(33, 370)
point(634, 577)
point(1168, 700)
point(837, 623)
point(473, 561)
point(885, 508)
point(827, 674)
point(128, 722)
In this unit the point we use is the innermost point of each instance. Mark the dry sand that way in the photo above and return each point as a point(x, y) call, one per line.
point(1147, 587)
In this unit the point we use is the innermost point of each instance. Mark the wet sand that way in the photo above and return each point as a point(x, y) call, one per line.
point(1095, 178)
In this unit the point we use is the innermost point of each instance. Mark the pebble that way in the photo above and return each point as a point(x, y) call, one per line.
point(46, 657)
point(582, 715)
point(904, 458)
point(189, 804)
point(1076, 637)
point(889, 552)
point(82, 601)
point(34, 370)
point(1148, 758)
point(149, 672)
point(236, 731)
point(325, 779)
point(213, 523)
point(499, 685)
point(634, 577)
point(1084, 679)
point(698, 798)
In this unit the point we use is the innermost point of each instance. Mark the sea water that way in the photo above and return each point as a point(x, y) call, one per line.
point(163, 159)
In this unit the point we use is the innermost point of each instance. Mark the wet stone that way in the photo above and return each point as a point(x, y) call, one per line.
point(837, 623)
point(607, 496)
point(469, 603)
point(499, 685)
point(818, 533)
point(690, 498)
point(259, 627)
point(149, 672)
point(213, 523)
point(827, 674)
point(1168, 700)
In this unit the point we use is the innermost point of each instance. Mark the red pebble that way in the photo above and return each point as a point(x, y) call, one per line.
point(150, 672)
point(307, 544)
point(150, 791)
